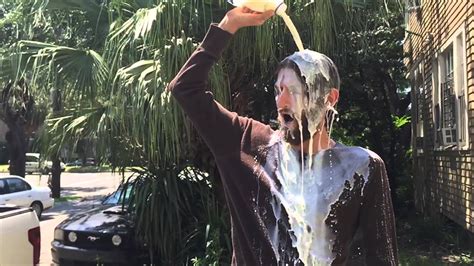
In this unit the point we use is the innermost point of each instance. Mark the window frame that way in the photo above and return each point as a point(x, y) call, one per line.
point(419, 84)
point(9, 191)
point(457, 42)
point(5, 187)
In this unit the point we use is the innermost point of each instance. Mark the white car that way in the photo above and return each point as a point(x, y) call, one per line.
point(17, 191)
point(34, 163)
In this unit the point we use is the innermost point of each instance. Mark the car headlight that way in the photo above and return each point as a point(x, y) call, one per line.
point(72, 237)
point(58, 234)
point(116, 240)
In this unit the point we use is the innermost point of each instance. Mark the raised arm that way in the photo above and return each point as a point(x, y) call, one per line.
point(219, 127)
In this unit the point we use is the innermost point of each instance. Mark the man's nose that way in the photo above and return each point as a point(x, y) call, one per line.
point(284, 99)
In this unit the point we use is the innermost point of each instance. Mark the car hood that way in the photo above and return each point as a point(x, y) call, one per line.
point(105, 219)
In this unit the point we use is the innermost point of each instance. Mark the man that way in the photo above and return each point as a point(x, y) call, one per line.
point(295, 196)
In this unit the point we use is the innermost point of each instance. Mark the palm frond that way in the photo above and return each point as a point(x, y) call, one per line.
point(67, 128)
point(94, 10)
point(47, 63)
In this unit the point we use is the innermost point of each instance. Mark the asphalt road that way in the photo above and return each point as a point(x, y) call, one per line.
point(86, 191)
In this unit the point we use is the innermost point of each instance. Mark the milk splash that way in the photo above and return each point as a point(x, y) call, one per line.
point(307, 201)
point(307, 188)
point(320, 75)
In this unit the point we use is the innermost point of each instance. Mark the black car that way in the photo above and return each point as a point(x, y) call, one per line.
point(103, 235)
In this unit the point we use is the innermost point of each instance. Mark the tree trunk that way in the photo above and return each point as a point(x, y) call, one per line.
point(56, 171)
point(56, 177)
point(16, 145)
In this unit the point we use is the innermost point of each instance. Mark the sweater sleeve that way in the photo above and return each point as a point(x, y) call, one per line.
point(219, 127)
point(377, 218)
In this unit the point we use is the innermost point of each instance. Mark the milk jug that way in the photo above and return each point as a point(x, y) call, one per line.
point(261, 5)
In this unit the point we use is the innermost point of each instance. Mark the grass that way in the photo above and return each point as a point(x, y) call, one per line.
point(67, 198)
point(4, 168)
point(428, 241)
point(408, 259)
point(87, 169)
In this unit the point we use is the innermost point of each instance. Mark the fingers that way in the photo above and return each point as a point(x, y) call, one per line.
point(259, 18)
point(246, 10)
point(268, 14)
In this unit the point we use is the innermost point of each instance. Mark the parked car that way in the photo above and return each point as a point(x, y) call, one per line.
point(79, 162)
point(35, 164)
point(101, 235)
point(17, 191)
point(20, 238)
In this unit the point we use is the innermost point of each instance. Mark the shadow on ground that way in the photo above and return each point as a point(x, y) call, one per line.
point(74, 206)
point(424, 241)
point(73, 191)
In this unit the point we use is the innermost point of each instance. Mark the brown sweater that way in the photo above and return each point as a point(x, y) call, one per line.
point(359, 218)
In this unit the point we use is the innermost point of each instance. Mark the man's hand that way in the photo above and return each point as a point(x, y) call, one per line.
point(240, 17)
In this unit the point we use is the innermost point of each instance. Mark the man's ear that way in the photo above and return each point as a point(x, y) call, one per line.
point(333, 96)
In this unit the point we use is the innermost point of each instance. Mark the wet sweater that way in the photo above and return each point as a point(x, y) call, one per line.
point(336, 212)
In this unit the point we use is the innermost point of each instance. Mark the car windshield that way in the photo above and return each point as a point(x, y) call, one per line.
point(117, 197)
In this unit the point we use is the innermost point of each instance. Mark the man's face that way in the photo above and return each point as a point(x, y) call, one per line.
point(291, 101)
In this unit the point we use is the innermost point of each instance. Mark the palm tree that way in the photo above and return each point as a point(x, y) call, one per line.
point(115, 90)
point(16, 111)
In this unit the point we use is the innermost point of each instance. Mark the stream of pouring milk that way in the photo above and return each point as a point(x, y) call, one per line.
point(293, 31)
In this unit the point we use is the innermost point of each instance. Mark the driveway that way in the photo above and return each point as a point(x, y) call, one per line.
point(82, 191)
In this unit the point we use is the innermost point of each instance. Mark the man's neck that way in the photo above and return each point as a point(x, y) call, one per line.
point(320, 141)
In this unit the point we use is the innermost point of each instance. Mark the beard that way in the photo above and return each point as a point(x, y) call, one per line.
point(293, 136)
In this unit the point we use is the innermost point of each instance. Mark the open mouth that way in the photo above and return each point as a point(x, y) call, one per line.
point(287, 118)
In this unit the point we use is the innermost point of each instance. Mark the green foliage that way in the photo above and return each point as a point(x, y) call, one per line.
point(466, 258)
point(67, 198)
point(432, 241)
point(4, 168)
point(124, 77)
point(374, 103)
point(87, 169)
point(111, 62)
point(407, 259)
point(213, 253)
point(82, 70)
point(175, 210)
point(400, 121)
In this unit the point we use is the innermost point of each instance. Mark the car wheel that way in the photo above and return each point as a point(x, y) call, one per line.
point(38, 208)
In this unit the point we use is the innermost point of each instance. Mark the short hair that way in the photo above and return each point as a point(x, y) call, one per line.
point(303, 62)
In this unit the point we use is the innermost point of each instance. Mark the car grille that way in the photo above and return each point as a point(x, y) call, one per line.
point(96, 241)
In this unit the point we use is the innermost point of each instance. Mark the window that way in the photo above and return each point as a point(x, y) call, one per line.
point(31, 158)
point(3, 187)
point(17, 185)
point(449, 100)
point(118, 197)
